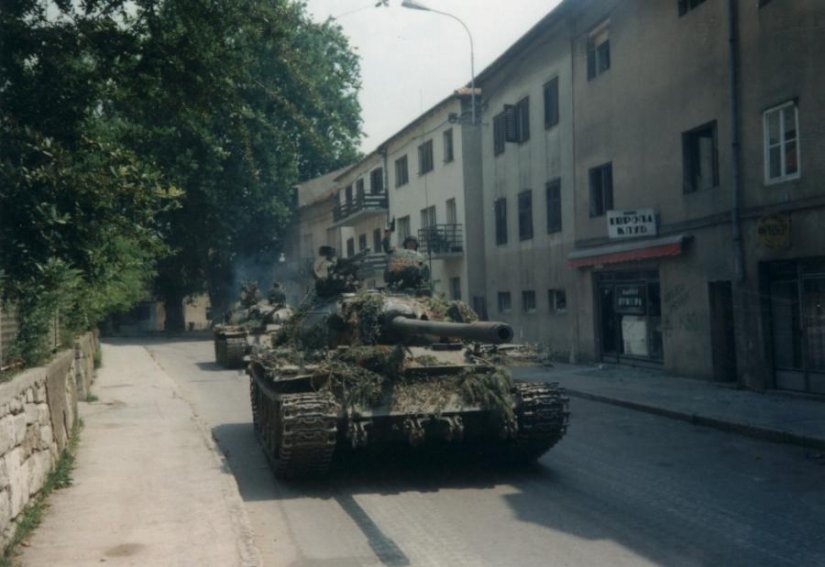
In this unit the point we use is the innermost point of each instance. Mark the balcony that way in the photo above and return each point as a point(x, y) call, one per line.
point(362, 207)
point(442, 241)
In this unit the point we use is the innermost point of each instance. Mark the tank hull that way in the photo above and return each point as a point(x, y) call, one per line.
point(300, 427)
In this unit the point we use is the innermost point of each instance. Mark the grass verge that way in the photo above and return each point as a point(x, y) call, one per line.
point(32, 515)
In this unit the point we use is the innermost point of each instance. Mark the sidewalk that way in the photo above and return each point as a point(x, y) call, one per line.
point(150, 487)
point(773, 416)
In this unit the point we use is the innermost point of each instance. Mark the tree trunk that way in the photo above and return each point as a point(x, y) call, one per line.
point(175, 321)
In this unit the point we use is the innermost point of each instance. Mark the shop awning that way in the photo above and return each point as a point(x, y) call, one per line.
point(628, 251)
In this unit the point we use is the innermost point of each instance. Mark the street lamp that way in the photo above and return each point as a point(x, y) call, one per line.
point(415, 5)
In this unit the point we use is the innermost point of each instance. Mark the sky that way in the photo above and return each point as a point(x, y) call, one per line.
point(411, 60)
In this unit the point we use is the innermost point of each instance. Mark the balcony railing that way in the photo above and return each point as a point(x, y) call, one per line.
point(441, 240)
point(363, 203)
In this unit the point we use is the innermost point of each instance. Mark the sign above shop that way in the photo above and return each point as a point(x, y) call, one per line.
point(775, 231)
point(631, 223)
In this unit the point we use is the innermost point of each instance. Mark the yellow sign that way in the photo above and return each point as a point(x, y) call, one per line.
point(775, 231)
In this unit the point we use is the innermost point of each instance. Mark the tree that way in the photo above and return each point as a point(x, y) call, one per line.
point(77, 210)
point(236, 101)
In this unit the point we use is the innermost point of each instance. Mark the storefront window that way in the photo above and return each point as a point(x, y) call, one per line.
point(797, 309)
point(630, 315)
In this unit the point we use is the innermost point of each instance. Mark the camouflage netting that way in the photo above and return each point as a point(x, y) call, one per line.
point(369, 376)
point(366, 374)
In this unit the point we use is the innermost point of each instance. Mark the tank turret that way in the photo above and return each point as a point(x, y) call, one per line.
point(251, 319)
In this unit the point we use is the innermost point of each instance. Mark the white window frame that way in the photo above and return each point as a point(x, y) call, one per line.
point(782, 143)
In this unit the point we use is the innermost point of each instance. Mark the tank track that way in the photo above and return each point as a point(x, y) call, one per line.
point(234, 352)
point(298, 432)
point(542, 413)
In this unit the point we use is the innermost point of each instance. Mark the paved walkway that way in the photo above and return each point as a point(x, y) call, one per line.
point(774, 416)
point(150, 486)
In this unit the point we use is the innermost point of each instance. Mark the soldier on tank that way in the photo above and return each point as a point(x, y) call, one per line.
point(407, 268)
point(276, 295)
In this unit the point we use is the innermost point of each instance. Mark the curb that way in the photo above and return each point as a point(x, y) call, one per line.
point(753, 431)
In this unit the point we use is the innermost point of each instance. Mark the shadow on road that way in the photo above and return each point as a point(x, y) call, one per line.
point(390, 471)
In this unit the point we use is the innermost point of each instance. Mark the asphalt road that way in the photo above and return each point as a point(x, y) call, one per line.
point(622, 488)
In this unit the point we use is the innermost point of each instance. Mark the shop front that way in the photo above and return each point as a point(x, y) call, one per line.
point(629, 316)
point(797, 323)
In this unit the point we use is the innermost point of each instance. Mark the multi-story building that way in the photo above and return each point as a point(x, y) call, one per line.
point(311, 229)
point(527, 165)
point(643, 188)
point(434, 190)
point(697, 200)
point(360, 214)
point(422, 180)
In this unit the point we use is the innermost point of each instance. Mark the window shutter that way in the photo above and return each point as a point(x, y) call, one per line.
point(591, 62)
point(607, 179)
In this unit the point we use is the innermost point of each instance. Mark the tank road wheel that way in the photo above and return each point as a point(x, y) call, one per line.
point(235, 349)
point(306, 432)
point(542, 414)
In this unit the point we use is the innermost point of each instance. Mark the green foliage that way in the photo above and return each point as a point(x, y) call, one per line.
point(236, 101)
point(145, 142)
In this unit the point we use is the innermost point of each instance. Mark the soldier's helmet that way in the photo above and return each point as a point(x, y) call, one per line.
point(410, 243)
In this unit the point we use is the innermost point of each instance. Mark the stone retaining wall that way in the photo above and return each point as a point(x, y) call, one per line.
point(38, 410)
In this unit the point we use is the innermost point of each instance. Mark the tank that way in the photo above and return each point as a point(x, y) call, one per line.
point(253, 321)
point(374, 368)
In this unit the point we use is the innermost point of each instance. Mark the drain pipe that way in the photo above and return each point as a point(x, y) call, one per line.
point(736, 181)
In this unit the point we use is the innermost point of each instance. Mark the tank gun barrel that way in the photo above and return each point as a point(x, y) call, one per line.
point(481, 331)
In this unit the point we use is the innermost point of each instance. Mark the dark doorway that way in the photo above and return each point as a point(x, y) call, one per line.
point(629, 316)
point(722, 333)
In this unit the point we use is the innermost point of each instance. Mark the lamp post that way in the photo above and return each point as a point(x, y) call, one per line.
point(415, 5)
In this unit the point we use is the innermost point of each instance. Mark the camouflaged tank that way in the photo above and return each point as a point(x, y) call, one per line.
point(253, 321)
point(372, 368)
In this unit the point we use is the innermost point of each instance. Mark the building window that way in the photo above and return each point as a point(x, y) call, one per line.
point(553, 192)
point(428, 217)
point(700, 159)
point(504, 303)
point(425, 157)
point(781, 143)
point(403, 228)
point(528, 301)
point(522, 120)
point(686, 5)
point(525, 215)
point(598, 51)
point(348, 195)
point(501, 220)
point(498, 133)
point(376, 241)
point(455, 289)
point(402, 173)
point(377, 181)
point(452, 212)
point(350, 247)
point(558, 300)
point(362, 242)
point(601, 189)
point(551, 103)
point(448, 146)
point(359, 189)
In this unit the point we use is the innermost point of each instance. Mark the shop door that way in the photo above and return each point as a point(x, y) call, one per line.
point(722, 335)
point(629, 316)
point(797, 294)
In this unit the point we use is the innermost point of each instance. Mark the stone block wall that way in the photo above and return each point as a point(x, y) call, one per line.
point(38, 410)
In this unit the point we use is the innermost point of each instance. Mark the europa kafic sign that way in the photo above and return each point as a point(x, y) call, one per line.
point(631, 223)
